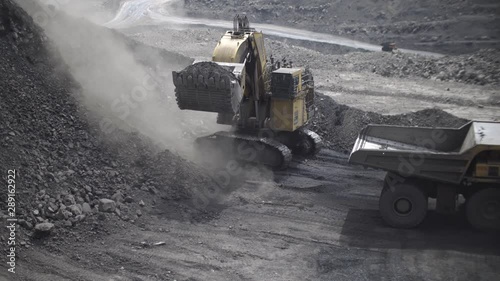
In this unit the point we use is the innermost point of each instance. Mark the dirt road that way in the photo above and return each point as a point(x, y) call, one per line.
point(449, 27)
point(154, 12)
point(318, 222)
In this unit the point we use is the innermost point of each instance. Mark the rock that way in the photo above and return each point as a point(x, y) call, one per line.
point(80, 200)
point(76, 209)
point(119, 205)
point(129, 199)
point(141, 203)
point(107, 205)
point(139, 213)
point(69, 200)
point(63, 214)
point(86, 209)
point(25, 224)
point(117, 197)
point(41, 193)
point(43, 229)
point(51, 207)
point(68, 223)
point(441, 75)
point(94, 203)
point(153, 190)
point(80, 217)
point(36, 212)
point(88, 188)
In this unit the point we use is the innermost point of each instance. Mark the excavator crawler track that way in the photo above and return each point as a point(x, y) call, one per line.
point(314, 139)
point(247, 148)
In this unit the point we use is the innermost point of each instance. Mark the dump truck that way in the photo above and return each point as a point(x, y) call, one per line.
point(388, 46)
point(440, 163)
point(267, 104)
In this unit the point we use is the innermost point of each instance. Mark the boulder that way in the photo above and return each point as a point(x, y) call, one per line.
point(107, 205)
point(86, 209)
point(43, 229)
point(117, 197)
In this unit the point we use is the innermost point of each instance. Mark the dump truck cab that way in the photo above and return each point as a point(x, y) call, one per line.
point(439, 163)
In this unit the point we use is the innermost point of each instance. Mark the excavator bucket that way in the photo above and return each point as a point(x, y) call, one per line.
point(209, 86)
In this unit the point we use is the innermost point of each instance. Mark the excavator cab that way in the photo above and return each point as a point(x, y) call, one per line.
point(289, 95)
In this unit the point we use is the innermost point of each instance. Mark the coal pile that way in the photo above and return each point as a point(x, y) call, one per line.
point(339, 125)
point(69, 171)
point(481, 67)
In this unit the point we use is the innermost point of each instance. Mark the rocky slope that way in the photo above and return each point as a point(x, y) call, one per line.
point(481, 67)
point(68, 171)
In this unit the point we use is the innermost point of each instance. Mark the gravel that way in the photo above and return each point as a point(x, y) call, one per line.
point(481, 67)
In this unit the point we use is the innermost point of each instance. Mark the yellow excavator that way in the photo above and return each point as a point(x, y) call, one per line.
point(267, 103)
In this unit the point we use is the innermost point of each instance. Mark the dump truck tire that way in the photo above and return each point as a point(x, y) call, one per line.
point(403, 205)
point(483, 209)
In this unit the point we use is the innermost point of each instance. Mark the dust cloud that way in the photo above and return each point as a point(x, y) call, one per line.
point(127, 88)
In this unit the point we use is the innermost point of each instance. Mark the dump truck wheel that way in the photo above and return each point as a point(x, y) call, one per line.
point(483, 209)
point(403, 206)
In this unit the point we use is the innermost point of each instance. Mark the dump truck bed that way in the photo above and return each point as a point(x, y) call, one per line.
point(440, 154)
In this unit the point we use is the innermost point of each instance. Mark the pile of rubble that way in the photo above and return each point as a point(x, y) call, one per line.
point(480, 68)
point(339, 125)
point(68, 169)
